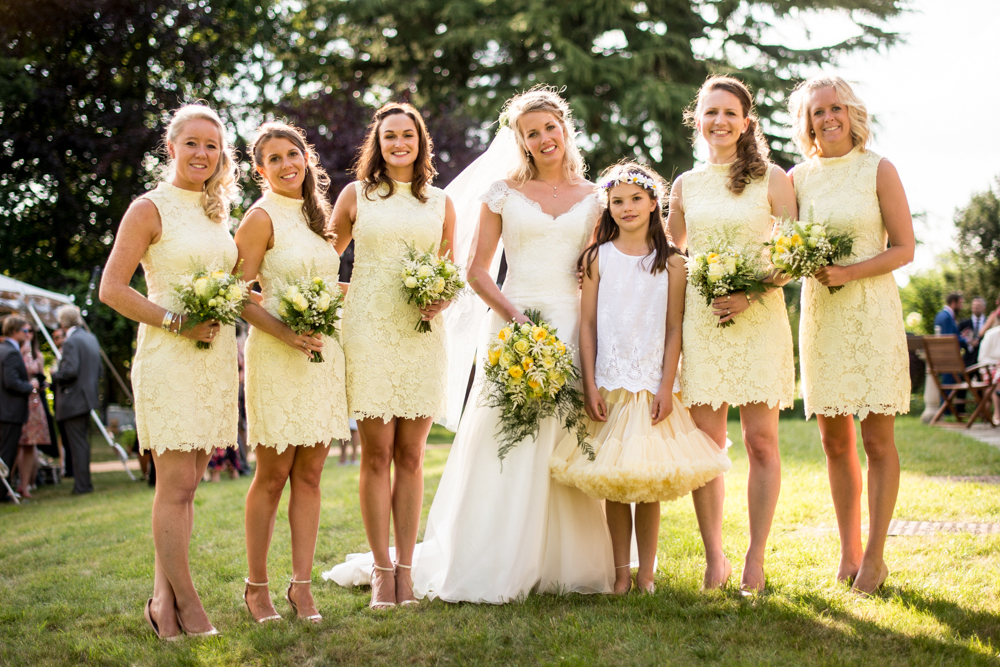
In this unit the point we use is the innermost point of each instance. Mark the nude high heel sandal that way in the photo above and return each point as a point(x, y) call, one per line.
point(148, 613)
point(378, 581)
point(208, 633)
point(410, 599)
point(273, 617)
point(314, 618)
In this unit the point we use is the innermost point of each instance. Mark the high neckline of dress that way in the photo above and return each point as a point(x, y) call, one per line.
point(281, 200)
point(848, 157)
point(403, 184)
point(193, 196)
point(718, 168)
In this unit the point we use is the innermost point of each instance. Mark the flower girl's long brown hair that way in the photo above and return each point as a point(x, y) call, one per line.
point(657, 237)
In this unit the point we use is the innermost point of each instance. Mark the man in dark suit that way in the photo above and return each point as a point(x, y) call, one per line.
point(969, 330)
point(946, 321)
point(15, 387)
point(77, 379)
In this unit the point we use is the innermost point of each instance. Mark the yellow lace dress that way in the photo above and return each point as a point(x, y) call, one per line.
point(852, 345)
point(392, 370)
point(290, 400)
point(750, 361)
point(185, 398)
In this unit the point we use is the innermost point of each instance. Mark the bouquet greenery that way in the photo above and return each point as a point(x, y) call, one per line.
point(724, 269)
point(307, 305)
point(529, 375)
point(428, 278)
point(212, 295)
point(799, 248)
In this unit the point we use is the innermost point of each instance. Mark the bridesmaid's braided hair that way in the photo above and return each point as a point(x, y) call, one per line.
point(752, 151)
point(657, 236)
point(370, 168)
point(315, 204)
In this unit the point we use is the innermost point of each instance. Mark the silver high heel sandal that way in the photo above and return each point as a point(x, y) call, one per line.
point(274, 617)
point(379, 573)
point(410, 601)
point(314, 618)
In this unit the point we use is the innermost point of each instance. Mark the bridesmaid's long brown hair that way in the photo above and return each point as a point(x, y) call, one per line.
point(370, 167)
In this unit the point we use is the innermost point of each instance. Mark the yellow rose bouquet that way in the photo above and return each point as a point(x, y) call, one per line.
point(428, 278)
point(307, 305)
point(724, 269)
point(529, 375)
point(800, 248)
point(212, 295)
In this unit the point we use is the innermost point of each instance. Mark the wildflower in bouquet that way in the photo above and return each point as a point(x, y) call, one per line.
point(530, 375)
point(212, 295)
point(801, 248)
point(723, 270)
point(429, 278)
point(308, 305)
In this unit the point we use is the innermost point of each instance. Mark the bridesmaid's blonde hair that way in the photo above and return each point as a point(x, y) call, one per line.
point(220, 188)
point(543, 98)
point(798, 102)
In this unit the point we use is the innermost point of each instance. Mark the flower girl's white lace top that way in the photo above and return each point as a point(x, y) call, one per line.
point(185, 398)
point(631, 322)
point(290, 400)
point(750, 361)
point(392, 370)
point(852, 345)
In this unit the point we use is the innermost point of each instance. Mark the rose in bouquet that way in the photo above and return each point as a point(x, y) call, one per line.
point(428, 278)
point(308, 305)
point(723, 270)
point(529, 375)
point(212, 295)
point(801, 248)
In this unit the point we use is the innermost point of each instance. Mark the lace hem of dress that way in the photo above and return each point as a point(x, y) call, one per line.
point(185, 447)
point(715, 404)
point(389, 416)
point(862, 411)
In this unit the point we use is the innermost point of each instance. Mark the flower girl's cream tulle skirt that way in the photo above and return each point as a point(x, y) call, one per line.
point(635, 461)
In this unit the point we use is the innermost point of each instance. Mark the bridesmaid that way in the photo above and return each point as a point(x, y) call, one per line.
point(852, 344)
point(294, 407)
point(748, 364)
point(395, 375)
point(185, 398)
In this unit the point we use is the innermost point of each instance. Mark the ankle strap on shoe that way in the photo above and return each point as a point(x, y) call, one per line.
point(383, 569)
point(295, 581)
point(405, 567)
point(250, 583)
point(618, 567)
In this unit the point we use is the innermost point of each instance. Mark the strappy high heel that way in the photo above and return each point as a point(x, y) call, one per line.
point(378, 574)
point(208, 633)
point(246, 589)
point(314, 618)
point(410, 600)
point(148, 613)
point(619, 567)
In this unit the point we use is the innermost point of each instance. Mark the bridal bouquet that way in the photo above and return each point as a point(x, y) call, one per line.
point(530, 376)
point(212, 295)
point(723, 270)
point(799, 248)
point(308, 305)
point(428, 278)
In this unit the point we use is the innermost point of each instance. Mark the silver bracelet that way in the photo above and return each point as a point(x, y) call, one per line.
point(168, 319)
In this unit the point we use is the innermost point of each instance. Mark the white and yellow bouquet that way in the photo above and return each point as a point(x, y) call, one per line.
point(427, 278)
point(529, 375)
point(723, 270)
point(800, 248)
point(212, 295)
point(307, 305)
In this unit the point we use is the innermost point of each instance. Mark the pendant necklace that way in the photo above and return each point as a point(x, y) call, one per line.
point(554, 195)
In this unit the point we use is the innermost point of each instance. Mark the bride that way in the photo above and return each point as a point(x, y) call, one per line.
point(495, 535)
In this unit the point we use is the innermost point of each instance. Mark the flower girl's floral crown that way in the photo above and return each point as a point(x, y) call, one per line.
point(630, 178)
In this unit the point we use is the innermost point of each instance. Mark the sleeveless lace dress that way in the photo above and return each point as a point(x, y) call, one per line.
point(635, 462)
point(392, 370)
point(750, 361)
point(185, 398)
point(290, 400)
point(852, 345)
point(495, 535)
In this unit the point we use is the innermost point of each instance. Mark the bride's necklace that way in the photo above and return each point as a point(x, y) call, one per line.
point(554, 193)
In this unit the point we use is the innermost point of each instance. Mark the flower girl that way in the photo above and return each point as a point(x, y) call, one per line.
point(647, 447)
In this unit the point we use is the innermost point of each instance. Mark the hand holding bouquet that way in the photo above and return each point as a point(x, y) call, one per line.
point(800, 248)
point(530, 376)
point(307, 305)
point(724, 270)
point(428, 278)
point(215, 295)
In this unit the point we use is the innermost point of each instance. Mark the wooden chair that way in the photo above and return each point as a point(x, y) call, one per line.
point(944, 357)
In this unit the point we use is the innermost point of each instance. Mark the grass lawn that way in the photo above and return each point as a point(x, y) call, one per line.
point(75, 573)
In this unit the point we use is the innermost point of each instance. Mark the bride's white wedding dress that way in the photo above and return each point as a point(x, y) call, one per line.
point(494, 535)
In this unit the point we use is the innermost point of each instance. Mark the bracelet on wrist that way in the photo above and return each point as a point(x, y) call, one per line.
point(168, 319)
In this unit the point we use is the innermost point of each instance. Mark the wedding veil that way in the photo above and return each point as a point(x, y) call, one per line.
point(463, 319)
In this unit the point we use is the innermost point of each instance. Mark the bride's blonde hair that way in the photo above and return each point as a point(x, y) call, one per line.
point(221, 187)
point(543, 98)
